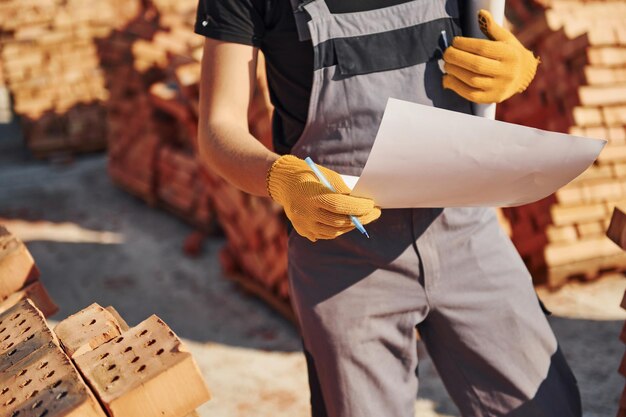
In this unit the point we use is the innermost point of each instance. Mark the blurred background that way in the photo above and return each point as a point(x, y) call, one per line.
point(98, 175)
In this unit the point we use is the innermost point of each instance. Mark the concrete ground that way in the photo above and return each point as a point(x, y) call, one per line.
point(95, 243)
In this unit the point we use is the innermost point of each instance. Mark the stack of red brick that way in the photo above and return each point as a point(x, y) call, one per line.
point(580, 88)
point(36, 377)
point(153, 73)
point(139, 371)
point(617, 233)
point(51, 68)
point(151, 124)
point(19, 276)
point(90, 356)
point(256, 253)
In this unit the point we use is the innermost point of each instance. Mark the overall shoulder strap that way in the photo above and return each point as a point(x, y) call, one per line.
point(301, 17)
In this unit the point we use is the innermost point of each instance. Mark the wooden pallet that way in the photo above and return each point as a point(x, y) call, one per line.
point(588, 269)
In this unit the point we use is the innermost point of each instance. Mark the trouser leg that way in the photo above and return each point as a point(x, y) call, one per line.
point(318, 407)
point(486, 332)
point(358, 301)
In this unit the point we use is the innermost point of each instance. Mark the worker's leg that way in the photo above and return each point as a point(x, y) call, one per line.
point(358, 301)
point(486, 332)
point(318, 407)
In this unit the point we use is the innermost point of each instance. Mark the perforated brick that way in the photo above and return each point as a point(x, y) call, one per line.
point(37, 294)
point(46, 384)
point(145, 372)
point(17, 267)
point(86, 330)
point(23, 330)
point(120, 321)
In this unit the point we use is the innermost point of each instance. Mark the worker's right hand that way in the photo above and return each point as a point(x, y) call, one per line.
point(315, 211)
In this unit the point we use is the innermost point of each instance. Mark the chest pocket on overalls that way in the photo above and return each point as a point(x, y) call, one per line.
point(391, 50)
point(403, 63)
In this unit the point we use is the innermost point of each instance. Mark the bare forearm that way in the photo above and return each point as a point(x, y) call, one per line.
point(231, 151)
point(224, 141)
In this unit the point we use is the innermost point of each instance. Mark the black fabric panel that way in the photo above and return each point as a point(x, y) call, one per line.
point(339, 7)
point(352, 6)
point(378, 51)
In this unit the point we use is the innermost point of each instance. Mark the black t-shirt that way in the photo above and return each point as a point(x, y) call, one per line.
point(270, 26)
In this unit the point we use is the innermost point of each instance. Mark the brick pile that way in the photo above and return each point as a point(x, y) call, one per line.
point(152, 127)
point(153, 74)
point(617, 233)
point(256, 253)
point(19, 276)
point(580, 88)
point(140, 371)
point(51, 68)
point(144, 370)
point(93, 358)
point(36, 377)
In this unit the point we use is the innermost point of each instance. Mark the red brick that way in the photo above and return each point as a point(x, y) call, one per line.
point(86, 330)
point(147, 371)
point(37, 294)
point(23, 330)
point(17, 267)
point(193, 244)
point(46, 383)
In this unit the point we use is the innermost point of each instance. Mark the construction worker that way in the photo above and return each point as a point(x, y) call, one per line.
point(452, 272)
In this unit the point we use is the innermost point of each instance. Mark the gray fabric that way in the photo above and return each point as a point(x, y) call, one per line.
point(462, 282)
point(452, 272)
point(373, 21)
point(345, 111)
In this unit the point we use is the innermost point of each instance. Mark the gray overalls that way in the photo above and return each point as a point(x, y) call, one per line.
point(452, 272)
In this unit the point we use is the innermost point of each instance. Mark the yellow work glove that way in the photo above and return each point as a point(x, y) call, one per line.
point(488, 71)
point(315, 211)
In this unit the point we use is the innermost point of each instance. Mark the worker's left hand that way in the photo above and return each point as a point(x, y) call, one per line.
point(488, 71)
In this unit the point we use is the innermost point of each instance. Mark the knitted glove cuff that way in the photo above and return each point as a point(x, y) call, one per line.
point(528, 76)
point(286, 164)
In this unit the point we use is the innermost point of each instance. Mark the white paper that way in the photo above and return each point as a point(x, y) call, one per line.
point(429, 157)
point(496, 8)
point(350, 180)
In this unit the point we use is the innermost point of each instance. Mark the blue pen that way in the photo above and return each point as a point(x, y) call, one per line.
point(328, 185)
